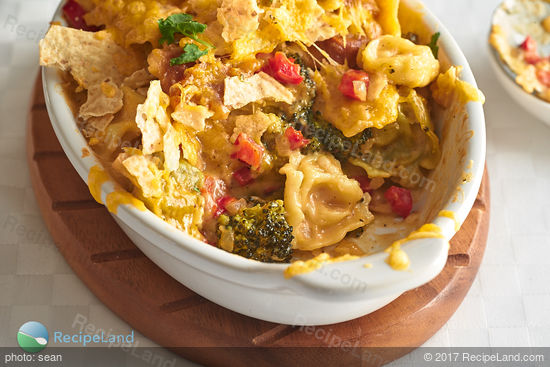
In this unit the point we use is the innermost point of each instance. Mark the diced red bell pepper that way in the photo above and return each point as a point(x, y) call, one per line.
point(214, 186)
point(74, 15)
point(243, 176)
point(400, 200)
point(532, 58)
point(529, 44)
point(213, 189)
point(295, 138)
point(355, 84)
point(222, 205)
point(283, 69)
point(364, 183)
point(531, 52)
point(248, 151)
point(544, 77)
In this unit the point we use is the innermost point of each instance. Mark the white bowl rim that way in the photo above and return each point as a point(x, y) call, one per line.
point(73, 145)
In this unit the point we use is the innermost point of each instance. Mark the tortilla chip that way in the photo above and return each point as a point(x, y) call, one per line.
point(238, 17)
point(139, 79)
point(144, 173)
point(131, 100)
point(253, 125)
point(88, 56)
point(171, 142)
point(152, 118)
point(159, 134)
point(193, 116)
point(100, 123)
point(239, 92)
point(190, 145)
point(103, 99)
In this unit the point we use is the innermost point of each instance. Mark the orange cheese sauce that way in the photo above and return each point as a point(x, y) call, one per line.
point(304, 267)
point(451, 215)
point(119, 197)
point(96, 178)
point(397, 258)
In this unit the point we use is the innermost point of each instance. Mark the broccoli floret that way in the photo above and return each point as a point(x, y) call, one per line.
point(314, 146)
point(307, 89)
point(259, 233)
point(324, 136)
point(321, 133)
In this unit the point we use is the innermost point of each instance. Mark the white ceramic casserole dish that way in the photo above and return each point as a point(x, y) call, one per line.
point(338, 292)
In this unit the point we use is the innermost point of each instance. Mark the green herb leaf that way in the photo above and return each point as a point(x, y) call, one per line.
point(433, 44)
point(180, 23)
point(191, 53)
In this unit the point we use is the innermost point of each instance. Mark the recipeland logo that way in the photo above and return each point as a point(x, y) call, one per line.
point(32, 337)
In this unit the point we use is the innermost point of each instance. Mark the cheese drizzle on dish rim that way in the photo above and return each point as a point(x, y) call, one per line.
point(397, 258)
point(451, 215)
point(96, 178)
point(119, 197)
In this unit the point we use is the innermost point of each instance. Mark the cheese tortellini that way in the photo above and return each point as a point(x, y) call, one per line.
point(322, 203)
point(403, 62)
point(348, 115)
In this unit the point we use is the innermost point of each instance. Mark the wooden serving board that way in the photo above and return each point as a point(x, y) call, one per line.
point(159, 307)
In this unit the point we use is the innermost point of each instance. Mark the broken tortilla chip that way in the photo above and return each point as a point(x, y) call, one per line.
point(160, 134)
point(253, 125)
point(193, 116)
point(139, 79)
point(238, 18)
point(152, 118)
point(189, 144)
point(100, 123)
point(93, 125)
point(86, 55)
point(144, 173)
point(240, 92)
point(171, 142)
point(103, 99)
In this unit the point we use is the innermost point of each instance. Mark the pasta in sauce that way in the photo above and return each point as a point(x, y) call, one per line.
point(273, 130)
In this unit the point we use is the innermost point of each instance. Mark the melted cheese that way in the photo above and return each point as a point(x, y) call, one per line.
point(350, 116)
point(96, 178)
point(131, 22)
point(447, 85)
point(397, 258)
point(119, 197)
point(304, 267)
point(451, 215)
point(388, 17)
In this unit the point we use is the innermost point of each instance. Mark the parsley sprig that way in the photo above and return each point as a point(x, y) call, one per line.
point(433, 44)
point(191, 52)
point(185, 25)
